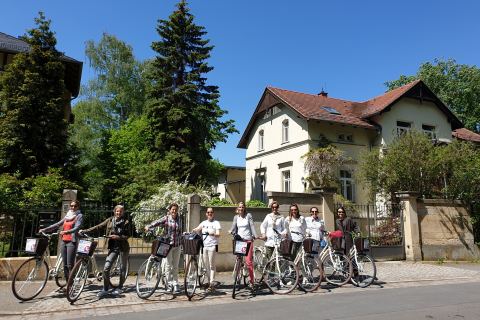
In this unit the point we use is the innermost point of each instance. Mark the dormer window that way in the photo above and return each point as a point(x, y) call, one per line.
point(260, 140)
point(285, 131)
point(345, 137)
point(403, 127)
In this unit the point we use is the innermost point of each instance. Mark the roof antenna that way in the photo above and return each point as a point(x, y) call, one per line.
point(323, 93)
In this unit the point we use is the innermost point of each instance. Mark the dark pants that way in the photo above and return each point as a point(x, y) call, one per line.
point(68, 256)
point(295, 249)
point(269, 252)
point(111, 258)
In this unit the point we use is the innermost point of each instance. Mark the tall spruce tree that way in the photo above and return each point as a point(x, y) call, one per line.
point(183, 110)
point(32, 125)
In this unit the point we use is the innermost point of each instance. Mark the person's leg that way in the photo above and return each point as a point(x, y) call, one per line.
point(70, 255)
point(111, 256)
point(175, 262)
point(63, 252)
point(123, 271)
point(211, 262)
point(206, 264)
point(249, 263)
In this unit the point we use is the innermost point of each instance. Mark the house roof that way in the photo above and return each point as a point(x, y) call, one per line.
point(465, 134)
point(73, 68)
point(359, 114)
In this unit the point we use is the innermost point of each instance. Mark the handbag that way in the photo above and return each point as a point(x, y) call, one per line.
point(286, 246)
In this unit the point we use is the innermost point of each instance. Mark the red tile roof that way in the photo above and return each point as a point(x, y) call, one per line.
point(465, 134)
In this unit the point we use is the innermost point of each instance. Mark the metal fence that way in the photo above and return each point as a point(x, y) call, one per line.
point(16, 226)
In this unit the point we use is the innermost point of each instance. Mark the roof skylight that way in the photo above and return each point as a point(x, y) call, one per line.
point(330, 110)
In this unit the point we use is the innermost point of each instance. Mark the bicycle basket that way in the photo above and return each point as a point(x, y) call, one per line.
point(191, 246)
point(241, 247)
point(311, 246)
point(286, 246)
point(362, 244)
point(160, 248)
point(86, 247)
point(36, 246)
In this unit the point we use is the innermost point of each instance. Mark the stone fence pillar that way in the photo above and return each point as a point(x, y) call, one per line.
point(193, 212)
point(411, 230)
point(68, 196)
point(328, 208)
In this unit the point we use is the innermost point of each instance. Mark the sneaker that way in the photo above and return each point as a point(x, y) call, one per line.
point(102, 293)
point(175, 288)
point(117, 291)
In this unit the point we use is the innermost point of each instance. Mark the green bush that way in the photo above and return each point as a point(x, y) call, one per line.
point(256, 204)
point(217, 202)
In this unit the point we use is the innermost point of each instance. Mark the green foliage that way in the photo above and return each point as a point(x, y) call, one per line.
point(183, 110)
point(217, 202)
point(322, 165)
point(170, 192)
point(32, 102)
point(457, 85)
point(255, 204)
point(11, 192)
point(413, 163)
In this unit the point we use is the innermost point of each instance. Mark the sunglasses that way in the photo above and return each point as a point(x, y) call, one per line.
point(314, 211)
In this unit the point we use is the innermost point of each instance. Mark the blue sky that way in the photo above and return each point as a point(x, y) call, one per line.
point(349, 48)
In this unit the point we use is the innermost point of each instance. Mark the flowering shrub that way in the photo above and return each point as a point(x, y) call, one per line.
point(155, 207)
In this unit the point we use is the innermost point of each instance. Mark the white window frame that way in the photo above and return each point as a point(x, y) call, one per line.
point(261, 140)
point(403, 127)
point(347, 182)
point(286, 181)
point(430, 131)
point(285, 125)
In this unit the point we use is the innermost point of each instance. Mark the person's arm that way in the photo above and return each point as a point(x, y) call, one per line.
point(217, 229)
point(156, 223)
point(263, 226)
point(233, 229)
point(98, 226)
point(56, 225)
point(252, 227)
point(303, 227)
point(199, 228)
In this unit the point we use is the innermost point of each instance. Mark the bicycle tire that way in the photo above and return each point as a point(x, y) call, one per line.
point(311, 274)
point(202, 273)
point(259, 264)
point(365, 272)
point(191, 278)
point(60, 279)
point(237, 275)
point(281, 278)
point(76, 280)
point(148, 277)
point(30, 279)
point(339, 271)
point(116, 271)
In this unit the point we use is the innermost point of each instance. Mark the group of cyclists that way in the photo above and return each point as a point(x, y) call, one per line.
point(294, 227)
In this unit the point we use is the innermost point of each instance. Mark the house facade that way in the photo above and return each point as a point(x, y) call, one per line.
point(287, 124)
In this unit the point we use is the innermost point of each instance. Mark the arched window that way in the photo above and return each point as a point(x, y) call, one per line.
point(285, 131)
point(260, 140)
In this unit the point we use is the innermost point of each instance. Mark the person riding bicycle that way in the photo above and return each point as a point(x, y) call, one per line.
point(211, 227)
point(244, 227)
point(295, 228)
point(117, 229)
point(273, 220)
point(173, 226)
point(71, 224)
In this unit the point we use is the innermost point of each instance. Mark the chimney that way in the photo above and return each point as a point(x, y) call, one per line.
point(323, 93)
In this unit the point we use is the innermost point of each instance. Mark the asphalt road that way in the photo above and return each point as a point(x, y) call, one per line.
point(445, 301)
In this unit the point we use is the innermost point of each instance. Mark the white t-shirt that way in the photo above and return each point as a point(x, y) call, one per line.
point(243, 227)
point(208, 227)
point(296, 228)
point(272, 221)
point(315, 228)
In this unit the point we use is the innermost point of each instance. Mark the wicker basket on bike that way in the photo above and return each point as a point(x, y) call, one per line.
point(192, 243)
point(161, 247)
point(36, 246)
point(311, 246)
point(362, 244)
point(240, 246)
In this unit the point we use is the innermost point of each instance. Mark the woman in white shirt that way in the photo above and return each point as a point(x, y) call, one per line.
point(295, 228)
point(315, 225)
point(273, 220)
point(243, 226)
point(211, 228)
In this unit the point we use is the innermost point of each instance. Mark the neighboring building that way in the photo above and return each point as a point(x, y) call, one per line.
point(10, 46)
point(231, 184)
point(287, 124)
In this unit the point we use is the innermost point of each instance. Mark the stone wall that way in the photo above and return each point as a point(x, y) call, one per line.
point(445, 231)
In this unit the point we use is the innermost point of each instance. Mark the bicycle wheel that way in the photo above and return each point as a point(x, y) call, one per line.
point(30, 279)
point(338, 269)
point(202, 272)
point(191, 277)
point(148, 277)
point(311, 274)
point(364, 270)
point(237, 277)
point(116, 271)
point(76, 280)
point(258, 264)
point(60, 277)
point(281, 277)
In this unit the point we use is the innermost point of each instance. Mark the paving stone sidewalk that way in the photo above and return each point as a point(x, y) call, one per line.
point(55, 306)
